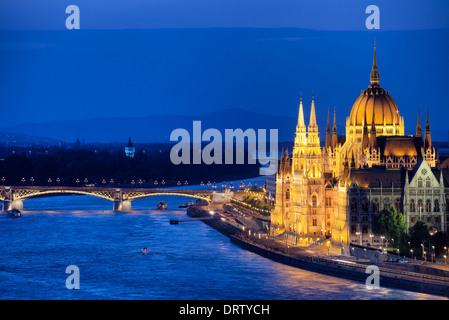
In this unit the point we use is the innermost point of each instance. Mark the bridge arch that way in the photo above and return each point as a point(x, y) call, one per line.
point(63, 192)
point(196, 196)
point(14, 197)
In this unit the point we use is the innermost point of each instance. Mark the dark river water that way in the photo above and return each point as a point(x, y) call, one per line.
point(188, 261)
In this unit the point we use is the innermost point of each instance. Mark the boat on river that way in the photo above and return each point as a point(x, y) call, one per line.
point(162, 205)
point(14, 213)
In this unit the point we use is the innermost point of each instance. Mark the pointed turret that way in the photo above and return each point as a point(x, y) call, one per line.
point(130, 143)
point(301, 122)
point(352, 161)
point(328, 143)
point(312, 123)
point(374, 77)
point(281, 165)
point(334, 133)
point(427, 139)
point(418, 128)
point(365, 137)
point(373, 137)
point(287, 163)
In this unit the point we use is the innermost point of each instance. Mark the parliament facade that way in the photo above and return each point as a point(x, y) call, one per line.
point(335, 190)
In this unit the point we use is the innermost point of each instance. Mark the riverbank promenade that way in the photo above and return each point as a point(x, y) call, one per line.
point(324, 257)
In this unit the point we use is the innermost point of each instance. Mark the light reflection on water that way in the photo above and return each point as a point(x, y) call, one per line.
point(189, 260)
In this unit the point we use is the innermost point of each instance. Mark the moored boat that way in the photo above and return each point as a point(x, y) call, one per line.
point(162, 205)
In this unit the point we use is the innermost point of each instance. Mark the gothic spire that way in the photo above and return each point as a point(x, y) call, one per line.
point(301, 122)
point(418, 128)
point(427, 139)
point(373, 136)
point(312, 122)
point(334, 132)
point(374, 77)
point(328, 143)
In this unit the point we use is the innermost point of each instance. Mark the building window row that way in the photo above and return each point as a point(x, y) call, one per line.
point(419, 207)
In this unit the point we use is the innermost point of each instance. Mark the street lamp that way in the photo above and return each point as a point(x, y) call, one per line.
point(77, 182)
point(432, 254)
point(32, 180)
point(49, 181)
point(163, 183)
point(3, 180)
point(422, 245)
point(23, 181)
point(58, 180)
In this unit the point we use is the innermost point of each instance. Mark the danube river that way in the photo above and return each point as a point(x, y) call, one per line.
point(188, 261)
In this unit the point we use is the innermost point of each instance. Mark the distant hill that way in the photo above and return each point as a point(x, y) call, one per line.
point(157, 128)
point(23, 140)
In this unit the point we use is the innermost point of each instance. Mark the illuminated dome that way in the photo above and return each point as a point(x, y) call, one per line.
point(374, 102)
point(375, 106)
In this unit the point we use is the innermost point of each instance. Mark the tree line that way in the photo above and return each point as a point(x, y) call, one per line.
point(72, 167)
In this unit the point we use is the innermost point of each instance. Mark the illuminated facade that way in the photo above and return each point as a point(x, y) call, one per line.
point(130, 150)
point(335, 190)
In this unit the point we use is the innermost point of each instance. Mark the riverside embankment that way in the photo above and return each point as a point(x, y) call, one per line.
point(330, 265)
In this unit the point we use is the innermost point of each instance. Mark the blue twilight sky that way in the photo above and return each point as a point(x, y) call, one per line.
point(311, 14)
point(143, 57)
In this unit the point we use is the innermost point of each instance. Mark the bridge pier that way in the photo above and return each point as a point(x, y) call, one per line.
point(12, 204)
point(122, 205)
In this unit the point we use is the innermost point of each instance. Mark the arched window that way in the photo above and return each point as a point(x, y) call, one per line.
point(419, 183)
point(420, 205)
point(375, 205)
point(364, 205)
point(436, 207)
point(412, 206)
point(314, 201)
point(428, 206)
point(397, 204)
point(354, 205)
point(287, 194)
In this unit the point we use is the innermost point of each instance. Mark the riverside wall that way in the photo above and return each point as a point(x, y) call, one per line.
point(318, 264)
point(357, 273)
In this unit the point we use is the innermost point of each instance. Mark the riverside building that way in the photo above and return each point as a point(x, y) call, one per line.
point(335, 190)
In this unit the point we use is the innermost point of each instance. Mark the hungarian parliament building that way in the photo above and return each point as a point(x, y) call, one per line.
point(335, 190)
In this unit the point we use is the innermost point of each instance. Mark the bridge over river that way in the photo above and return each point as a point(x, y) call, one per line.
point(14, 196)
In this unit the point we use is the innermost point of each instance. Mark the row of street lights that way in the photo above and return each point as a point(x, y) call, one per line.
point(208, 185)
point(424, 252)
